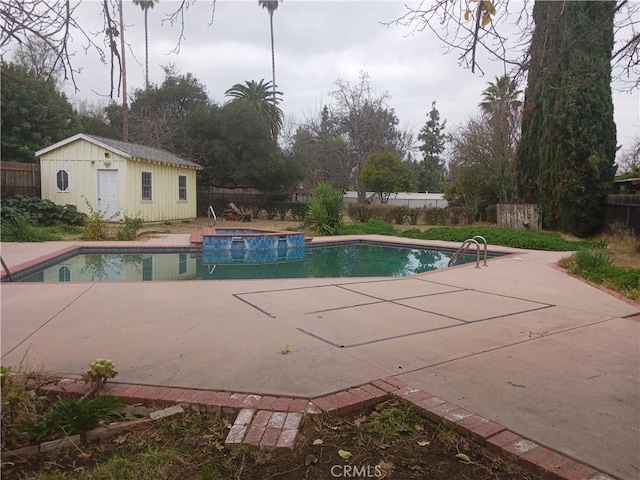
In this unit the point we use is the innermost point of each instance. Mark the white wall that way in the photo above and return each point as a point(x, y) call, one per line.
point(409, 199)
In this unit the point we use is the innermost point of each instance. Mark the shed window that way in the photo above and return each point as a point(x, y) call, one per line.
point(182, 264)
point(146, 185)
point(182, 187)
point(62, 180)
point(147, 268)
point(64, 274)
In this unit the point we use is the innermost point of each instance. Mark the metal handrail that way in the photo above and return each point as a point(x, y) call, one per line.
point(463, 248)
point(211, 213)
point(484, 241)
point(6, 269)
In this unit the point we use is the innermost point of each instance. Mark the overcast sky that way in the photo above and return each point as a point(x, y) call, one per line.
point(316, 42)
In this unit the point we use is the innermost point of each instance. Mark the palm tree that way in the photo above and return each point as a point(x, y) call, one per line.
point(271, 6)
point(501, 110)
point(258, 94)
point(146, 5)
point(501, 96)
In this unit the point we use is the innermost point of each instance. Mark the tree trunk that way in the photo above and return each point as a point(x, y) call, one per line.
point(146, 50)
point(273, 69)
point(568, 131)
point(125, 106)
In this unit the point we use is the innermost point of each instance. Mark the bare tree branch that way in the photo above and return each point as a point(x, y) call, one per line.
point(177, 18)
point(51, 21)
point(458, 24)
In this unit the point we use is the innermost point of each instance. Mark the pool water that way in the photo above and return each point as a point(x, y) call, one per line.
point(357, 260)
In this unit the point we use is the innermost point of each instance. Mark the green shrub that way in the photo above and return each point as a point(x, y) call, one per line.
point(414, 215)
point(436, 216)
point(72, 415)
point(456, 214)
point(281, 210)
point(298, 210)
point(359, 212)
point(595, 264)
point(96, 227)
point(324, 214)
point(41, 212)
point(400, 214)
point(507, 237)
point(382, 211)
point(372, 227)
point(22, 219)
point(593, 258)
point(273, 210)
point(128, 228)
point(491, 214)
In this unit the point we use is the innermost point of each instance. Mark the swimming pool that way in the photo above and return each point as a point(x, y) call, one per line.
point(341, 259)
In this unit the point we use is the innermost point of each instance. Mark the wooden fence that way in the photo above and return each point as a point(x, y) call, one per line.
point(519, 217)
point(242, 197)
point(623, 210)
point(19, 178)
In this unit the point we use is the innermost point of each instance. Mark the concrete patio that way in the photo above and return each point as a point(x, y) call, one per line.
point(519, 342)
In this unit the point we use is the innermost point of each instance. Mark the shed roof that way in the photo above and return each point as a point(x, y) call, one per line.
point(125, 149)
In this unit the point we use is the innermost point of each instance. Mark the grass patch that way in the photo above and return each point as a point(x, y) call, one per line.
point(596, 265)
point(551, 241)
point(392, 423)
point(24, 232)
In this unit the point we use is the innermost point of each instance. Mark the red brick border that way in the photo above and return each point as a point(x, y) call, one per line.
point(273, 422)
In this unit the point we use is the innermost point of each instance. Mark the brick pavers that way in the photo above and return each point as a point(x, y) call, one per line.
point(268, 421)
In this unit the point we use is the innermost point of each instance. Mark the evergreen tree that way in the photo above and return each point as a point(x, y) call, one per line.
point(433, 138)
point(35, 114)
point(568, 132)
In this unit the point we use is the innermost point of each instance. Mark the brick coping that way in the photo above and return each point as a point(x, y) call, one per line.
point(494, 436)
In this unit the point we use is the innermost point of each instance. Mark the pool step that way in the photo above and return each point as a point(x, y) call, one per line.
point(265, 429)
point(196, 239)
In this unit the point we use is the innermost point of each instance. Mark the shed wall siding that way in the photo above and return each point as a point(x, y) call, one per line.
point(164, 203)
point(83, 182)
point(83, 177)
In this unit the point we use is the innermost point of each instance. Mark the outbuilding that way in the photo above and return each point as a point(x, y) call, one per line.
point(118, 178)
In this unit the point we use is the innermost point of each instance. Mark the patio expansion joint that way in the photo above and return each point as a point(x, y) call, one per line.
point(237, 296)
point(457, 289)
point(53, 317)
point(502, 347)
point(419, 332)
point(273, 422)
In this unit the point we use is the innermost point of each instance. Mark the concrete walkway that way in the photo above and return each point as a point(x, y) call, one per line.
point(518, 342)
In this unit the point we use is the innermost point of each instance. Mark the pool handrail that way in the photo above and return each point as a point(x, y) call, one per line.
point(211, 213)
point(484, 241)
point(463, 248)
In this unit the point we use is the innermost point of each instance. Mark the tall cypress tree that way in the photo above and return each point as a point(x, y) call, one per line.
point(568, 133)
point(433, 138)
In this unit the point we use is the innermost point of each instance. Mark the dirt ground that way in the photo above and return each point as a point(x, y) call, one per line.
point(392, 441)
point(188, 226)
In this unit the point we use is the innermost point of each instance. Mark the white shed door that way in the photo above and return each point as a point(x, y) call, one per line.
point(108, 193)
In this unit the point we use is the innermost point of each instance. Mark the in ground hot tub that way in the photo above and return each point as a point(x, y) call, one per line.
point(251, 245)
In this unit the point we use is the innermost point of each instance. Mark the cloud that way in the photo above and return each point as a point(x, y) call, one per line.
point(316, 42)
